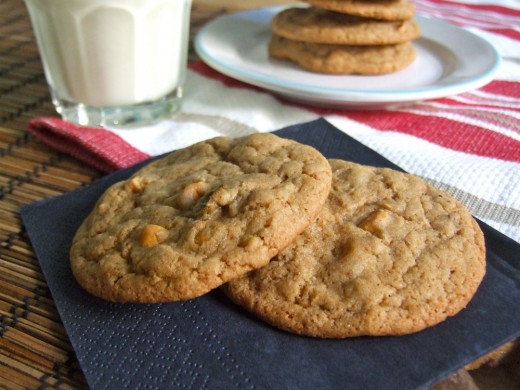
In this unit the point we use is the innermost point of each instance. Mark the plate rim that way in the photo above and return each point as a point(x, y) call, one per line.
point(300, 91)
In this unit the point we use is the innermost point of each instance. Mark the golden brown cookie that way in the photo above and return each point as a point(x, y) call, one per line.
point(198, 218)
point(321, 26)
point(388, 255)
point(374, 9)
point(343, 59)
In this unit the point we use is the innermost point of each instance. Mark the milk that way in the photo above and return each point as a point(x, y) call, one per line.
point(112, 53)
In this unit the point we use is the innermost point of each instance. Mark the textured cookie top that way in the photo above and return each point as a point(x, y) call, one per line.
point(321, 26)
point(199, 217)
point(375, 9)
point(388, 255)
point(343, 59)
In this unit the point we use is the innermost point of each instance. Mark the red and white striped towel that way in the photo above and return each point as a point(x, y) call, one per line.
point(467, 145)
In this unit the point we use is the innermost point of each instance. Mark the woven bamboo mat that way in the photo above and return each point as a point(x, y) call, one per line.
point(34, 349)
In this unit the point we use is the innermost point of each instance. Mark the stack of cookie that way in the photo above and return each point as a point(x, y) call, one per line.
point(367, 37)
point(325, 248)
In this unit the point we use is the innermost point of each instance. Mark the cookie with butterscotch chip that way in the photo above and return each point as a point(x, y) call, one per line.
point(373, 9)
point(343, 59)
point(388, 255)
point(321, 26)
point(199, 217)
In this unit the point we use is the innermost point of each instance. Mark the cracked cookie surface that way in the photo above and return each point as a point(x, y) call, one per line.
point(321, 26)
point(199, 217)
point(388, 255)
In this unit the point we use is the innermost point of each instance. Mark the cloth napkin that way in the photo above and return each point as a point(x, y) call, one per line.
point(467, 145)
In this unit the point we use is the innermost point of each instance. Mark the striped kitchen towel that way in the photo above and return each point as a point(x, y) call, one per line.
point(467, 145)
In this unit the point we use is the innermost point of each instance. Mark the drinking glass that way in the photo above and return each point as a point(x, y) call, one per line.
point(113, 62)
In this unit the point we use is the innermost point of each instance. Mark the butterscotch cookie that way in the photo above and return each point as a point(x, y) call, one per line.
point(199, 217)
point(343, 59)
point(374, 9)
point(388, 255)
point(321, 26)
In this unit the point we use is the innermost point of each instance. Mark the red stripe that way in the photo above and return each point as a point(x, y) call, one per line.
point(485, 110)
point(502, 87)
point(204, 70)
point(496, 19)
point(100, 148)
point(442, 131)
point(495, 115)
point(510, 33)
point(479, 7)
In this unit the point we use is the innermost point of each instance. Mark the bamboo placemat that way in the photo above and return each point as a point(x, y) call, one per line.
point(34, 349)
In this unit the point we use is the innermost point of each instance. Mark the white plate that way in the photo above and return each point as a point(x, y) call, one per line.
point(449, 61)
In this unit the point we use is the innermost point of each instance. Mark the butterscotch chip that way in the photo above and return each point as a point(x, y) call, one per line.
point(199, 217)
point(388, 255)
point(343, 59)
point(374, 9)
point(321, 26)
point(152, 235)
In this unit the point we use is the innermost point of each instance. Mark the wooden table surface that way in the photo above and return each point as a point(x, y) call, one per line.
point(34, 349)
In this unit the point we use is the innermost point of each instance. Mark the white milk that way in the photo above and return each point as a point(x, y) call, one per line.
point(106, 53)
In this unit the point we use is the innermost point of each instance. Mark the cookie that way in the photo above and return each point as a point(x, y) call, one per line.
point(321, 26)
point(373, 9)
point(388, 255)
point(199, 217)
point(343, 59)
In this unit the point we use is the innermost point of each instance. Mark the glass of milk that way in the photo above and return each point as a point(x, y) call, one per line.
point(113, 63)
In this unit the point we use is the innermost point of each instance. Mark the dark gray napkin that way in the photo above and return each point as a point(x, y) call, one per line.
point(208, 342)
